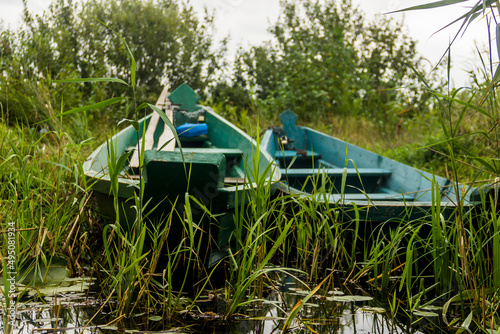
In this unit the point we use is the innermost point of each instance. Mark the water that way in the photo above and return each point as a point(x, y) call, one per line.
point(71, 307)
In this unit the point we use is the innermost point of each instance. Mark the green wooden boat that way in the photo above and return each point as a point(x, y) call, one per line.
point(355, 180)
point(212, 160)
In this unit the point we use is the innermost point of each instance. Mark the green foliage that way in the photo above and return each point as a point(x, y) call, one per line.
point(432, 151)
point(44, 199)
point(468, 247)
point(168, 40)
point(326, 59)
point(72, 40)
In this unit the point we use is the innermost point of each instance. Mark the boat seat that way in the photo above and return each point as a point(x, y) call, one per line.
point(334, 172)
point(168, 171)
point(324, 163)
point(289, 154)
point(235, 180)
point(372, 196)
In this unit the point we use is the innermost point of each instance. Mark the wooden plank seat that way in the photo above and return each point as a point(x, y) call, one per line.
point(228, 152)
point(372, 196)
point(235, 180)
point(327, 164)
point(382, 194)
point(201, 174)
point(335, 172)
point(236, 175)
point(289, 154)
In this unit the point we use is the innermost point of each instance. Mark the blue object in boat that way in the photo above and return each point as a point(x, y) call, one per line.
point(192, 130)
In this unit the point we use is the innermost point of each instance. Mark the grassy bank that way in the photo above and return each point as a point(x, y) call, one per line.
point(451, 265)
point(423, 268)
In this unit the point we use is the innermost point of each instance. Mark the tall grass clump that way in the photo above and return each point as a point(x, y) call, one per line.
point(147, 266)
point(464, 249)
point(45, 199)
point(45, 202)
point(435, 261)
point(133, 244)
point(325, 236)
point(144, 266)
point(261, 228)
point(323, 240)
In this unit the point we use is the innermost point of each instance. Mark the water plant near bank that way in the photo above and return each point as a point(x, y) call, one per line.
point(45, 211)
point(421, 263)
point(450, 265)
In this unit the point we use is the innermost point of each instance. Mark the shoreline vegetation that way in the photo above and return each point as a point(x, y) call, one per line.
point(422, 270)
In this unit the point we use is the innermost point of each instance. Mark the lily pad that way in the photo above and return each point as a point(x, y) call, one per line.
point(55, 273)
point(112, 328)
point(79, 279)
point(54, 290)
point(370, 309)
point(47, 320)
point(155, 318)
point(348, 298)
point(420, 313)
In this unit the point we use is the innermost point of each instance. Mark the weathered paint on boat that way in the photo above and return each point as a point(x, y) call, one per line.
point(350, 178)
point(212, 168)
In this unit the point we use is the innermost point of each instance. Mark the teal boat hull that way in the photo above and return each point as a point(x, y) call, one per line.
point(360, 183)
point(216, 169)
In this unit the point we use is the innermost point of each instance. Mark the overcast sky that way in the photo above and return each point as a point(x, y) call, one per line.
point(246, 21)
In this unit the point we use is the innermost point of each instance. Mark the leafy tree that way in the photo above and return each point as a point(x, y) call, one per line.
point(325, 58)
point(22, 96)
point(80, 40)
point(464, 110)
point(167, 39)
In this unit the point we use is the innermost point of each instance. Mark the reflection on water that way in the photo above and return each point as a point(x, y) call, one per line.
point(66, 311)
point(50, 319)
point(321, 315)
point(73, 320)
point(62, 307)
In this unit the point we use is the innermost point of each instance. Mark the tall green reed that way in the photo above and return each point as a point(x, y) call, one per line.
point(261, 228)
point(132, 244)
point(462, 249)
point(324, 235)
point(44, 199)
point(132, 257)
point(43, 208)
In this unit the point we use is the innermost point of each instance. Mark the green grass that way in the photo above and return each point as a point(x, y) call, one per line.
point(454, 264)
point(285, 234)
point(36, 169)
point(43, 191)
point(44, 199)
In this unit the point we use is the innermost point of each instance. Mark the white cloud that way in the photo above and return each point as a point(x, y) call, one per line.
point(11, 10)
point(426, 26)
point(247, 23)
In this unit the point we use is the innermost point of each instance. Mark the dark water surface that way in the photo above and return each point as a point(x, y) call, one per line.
point(69, 307)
